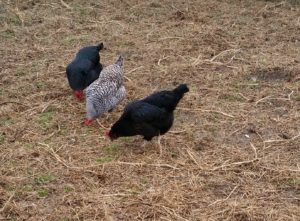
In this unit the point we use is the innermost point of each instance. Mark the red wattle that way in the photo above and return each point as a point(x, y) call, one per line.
point(88, 122)
point(79, 94)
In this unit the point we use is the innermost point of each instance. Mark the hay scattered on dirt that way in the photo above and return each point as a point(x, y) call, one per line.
point(233, 152)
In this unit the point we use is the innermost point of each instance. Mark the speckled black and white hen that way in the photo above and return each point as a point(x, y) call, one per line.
point(106, 92)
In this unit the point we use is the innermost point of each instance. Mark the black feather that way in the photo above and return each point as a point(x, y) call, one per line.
point(149, 117)
point(85, 68)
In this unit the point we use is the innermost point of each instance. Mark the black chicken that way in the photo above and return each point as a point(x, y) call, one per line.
point(84, 69)
point(149, 117)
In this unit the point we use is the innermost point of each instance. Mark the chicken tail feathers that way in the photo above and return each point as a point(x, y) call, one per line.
point(120, 61)
point(181, 89)
point(100, 46)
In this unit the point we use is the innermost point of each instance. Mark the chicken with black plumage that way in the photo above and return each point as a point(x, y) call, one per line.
point(149, 117)
point(84, 69)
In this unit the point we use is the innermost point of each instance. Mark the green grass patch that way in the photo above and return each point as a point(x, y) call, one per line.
point(8, 34)
point(193, 88)
point(73, 39)
point(87, 130)
point(6, 122)
point(15, 20)
point(64, 219)
point(128, 44)
point(43, 179)
point(214, 117)
point(43, 193)
point(104, 159)
point(263, 61)
point(68, 189)
point(40, 85)
point(298, 97)
point(28, 188)
point(112, 149)
point(45, 119)
point(29, 146)
point(211, 129)
point(294, 182)
point(10, 188)
point(294, 2)
point(20, 73)
point(80, 10)
point(134, 192)
point(2, 138)
point(231, 98)
point(155, 5)
point(126, 138)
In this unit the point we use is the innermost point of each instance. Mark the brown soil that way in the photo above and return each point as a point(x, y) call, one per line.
point(233, 152)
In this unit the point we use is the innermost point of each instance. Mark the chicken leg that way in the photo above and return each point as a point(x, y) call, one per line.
point(159, 145)
point(144, 144)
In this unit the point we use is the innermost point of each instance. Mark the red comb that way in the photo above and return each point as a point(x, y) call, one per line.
point(106, 133)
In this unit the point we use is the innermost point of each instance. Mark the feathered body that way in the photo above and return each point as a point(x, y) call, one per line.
point(149, 117)
point(84, 69)
point(106, 92)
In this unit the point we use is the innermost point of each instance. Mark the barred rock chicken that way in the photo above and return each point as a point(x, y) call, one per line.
point(106, 92)
point(84, 69)
point(149, 117)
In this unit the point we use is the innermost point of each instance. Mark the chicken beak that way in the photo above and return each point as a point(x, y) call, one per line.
point(106, 134)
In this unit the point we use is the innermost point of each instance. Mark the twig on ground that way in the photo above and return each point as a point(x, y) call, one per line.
point(65, 4)
point(290, 94)
point(172, 212)
point(7, 202)
point(243, 96)
point(127, 78)
point(274, 98)
point(193, 158)
point(262, 99)
point(223, 200)
point(235, 164)
point(177, 132)
point(237, 130)
point(115, 194)
point(161, 59)
point(13, 102)
point(212, 60)
point(103, 127)
point(223, 52)
point(46, 106)
point(197, 60)
point(240, 162)
point(285, 141)
point(279, 170)
point(57, 157)
point(19, 15)
point(167, 38)
point(203, 110)
point(145, 164)
point(254, 149)
point(133, 70)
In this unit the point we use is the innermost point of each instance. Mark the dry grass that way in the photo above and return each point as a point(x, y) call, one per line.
point(233, 153)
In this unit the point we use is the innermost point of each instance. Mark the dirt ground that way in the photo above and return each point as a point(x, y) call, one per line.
point(233, 152)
